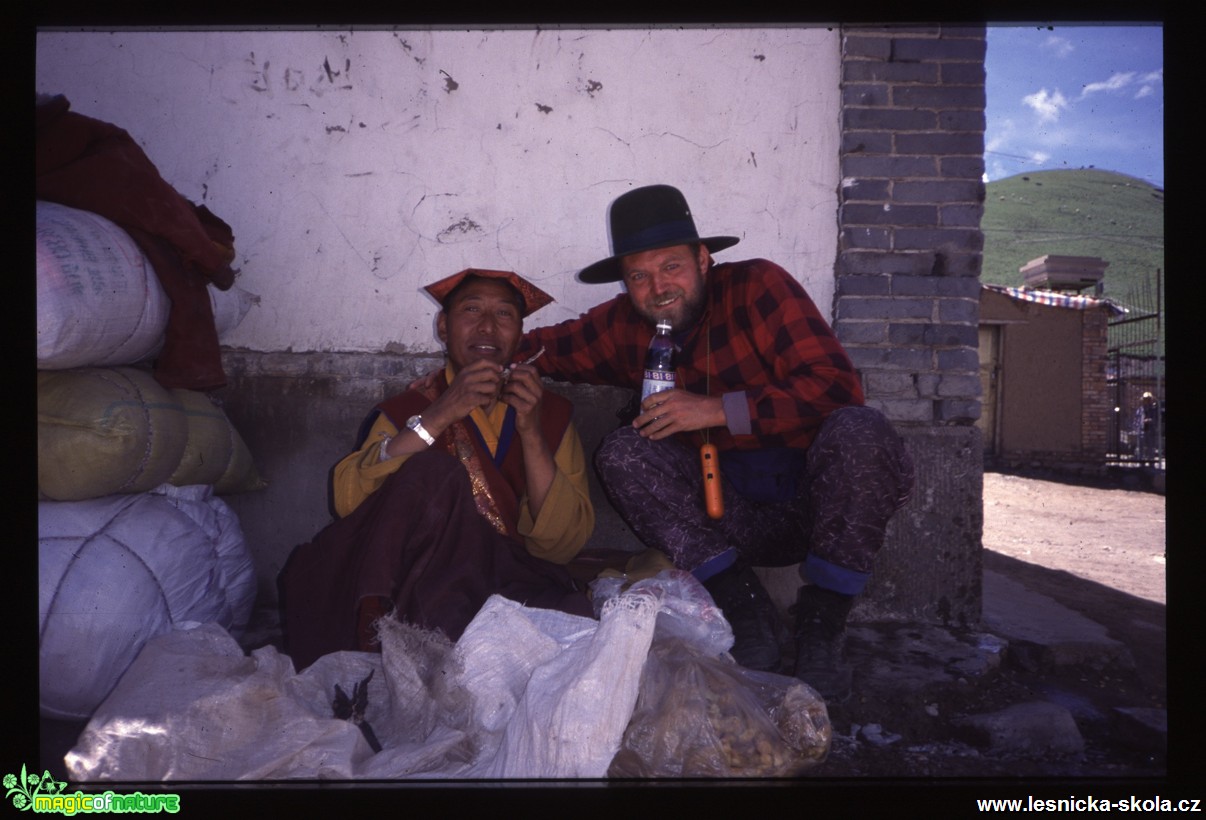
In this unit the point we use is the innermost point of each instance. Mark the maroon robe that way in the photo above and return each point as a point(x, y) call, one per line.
point(434, 541)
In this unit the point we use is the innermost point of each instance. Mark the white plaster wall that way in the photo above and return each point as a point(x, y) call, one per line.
point(356, 166)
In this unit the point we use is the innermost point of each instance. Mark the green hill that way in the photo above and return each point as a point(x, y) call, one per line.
point(1076, 213)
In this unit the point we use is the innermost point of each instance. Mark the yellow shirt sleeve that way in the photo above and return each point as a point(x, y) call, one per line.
point(565, 522)
point(359, 474)
point(567, 518)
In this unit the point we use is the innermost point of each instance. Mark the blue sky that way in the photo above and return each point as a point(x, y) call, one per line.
point(1074, 96)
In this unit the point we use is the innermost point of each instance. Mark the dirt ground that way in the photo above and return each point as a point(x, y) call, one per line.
point(1109, 535)
point(1040, 532)
point(1097, 550)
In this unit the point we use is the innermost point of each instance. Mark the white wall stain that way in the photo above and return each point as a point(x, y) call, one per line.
point(348, 163)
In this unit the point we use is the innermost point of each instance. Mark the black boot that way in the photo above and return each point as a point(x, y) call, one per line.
point(821, 641)
point(749, 610)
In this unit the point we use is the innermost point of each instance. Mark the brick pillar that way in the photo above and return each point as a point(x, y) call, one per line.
point(1097, 405)
point(907, 293)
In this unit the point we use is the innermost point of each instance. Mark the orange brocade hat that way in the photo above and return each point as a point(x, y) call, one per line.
point(533, 297)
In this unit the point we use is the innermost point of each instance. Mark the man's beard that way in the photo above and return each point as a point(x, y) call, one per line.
point(691, 309)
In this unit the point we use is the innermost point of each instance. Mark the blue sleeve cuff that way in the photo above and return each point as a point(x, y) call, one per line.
point(832, 577)
point(715, 565)
point(737, 413)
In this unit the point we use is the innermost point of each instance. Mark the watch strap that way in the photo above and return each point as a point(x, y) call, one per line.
point(416, 423)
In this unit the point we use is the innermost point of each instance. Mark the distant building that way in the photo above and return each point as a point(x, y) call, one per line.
point(1045, 399)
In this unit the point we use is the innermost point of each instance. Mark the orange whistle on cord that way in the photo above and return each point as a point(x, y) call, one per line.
point(709, 461)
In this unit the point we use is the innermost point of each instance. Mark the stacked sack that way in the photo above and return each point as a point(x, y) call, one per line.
point(115, 572)
point(99, 300)
point(132, 539)
point(105, 430)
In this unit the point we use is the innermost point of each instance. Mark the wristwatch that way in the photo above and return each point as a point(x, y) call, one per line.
point(416, 423)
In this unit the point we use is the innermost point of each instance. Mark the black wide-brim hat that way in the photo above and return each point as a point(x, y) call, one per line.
point(644, 219)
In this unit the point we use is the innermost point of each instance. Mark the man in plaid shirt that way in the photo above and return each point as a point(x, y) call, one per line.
point(809, 474)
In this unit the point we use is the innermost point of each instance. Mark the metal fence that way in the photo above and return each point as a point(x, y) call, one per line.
point(1135, 377)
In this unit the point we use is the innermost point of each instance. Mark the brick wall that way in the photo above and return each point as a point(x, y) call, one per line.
point(911, 198)
point(1097, 404)
point(907, 296)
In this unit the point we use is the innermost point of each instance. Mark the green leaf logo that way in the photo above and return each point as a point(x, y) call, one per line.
point(23, 788)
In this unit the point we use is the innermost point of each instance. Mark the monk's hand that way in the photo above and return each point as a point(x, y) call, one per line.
point(677, 411)
point(426, 381)
point(475, 385)
point(523, 391)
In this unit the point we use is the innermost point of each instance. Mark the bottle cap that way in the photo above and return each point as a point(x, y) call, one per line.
point(664, 323)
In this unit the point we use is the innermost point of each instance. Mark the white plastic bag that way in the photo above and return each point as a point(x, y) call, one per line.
point(699, 714)
point(685, 608)
point(194, 707)
point(702, 715)
point(573, 710)
point(525, 693)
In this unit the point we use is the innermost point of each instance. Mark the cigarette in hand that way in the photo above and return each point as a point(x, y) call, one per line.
point(507, 373)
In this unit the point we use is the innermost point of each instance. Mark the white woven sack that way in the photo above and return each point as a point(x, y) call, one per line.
point(229, 307)
point(116, 571)
point(99, 301)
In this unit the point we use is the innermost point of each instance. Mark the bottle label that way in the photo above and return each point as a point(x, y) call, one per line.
point(656, 381)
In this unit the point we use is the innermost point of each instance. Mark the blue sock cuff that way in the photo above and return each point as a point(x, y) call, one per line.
point(832, 577)
point(715, 565)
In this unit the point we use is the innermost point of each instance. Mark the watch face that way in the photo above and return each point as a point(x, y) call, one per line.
point(415, 424)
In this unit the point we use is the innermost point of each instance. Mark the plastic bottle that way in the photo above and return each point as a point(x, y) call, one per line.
point(659, 362)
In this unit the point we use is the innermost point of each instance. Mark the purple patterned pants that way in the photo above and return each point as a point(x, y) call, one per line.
point(857, 474)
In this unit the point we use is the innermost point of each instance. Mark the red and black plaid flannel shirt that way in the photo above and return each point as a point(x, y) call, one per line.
point(767, 339)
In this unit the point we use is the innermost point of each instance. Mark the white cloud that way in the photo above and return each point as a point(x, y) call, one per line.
point(1150, 81)
point(1062, 46)
point(1001, 136)
point(1040, 157)
point(995, 169)
point(1118, 81)
point(1046, 105)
